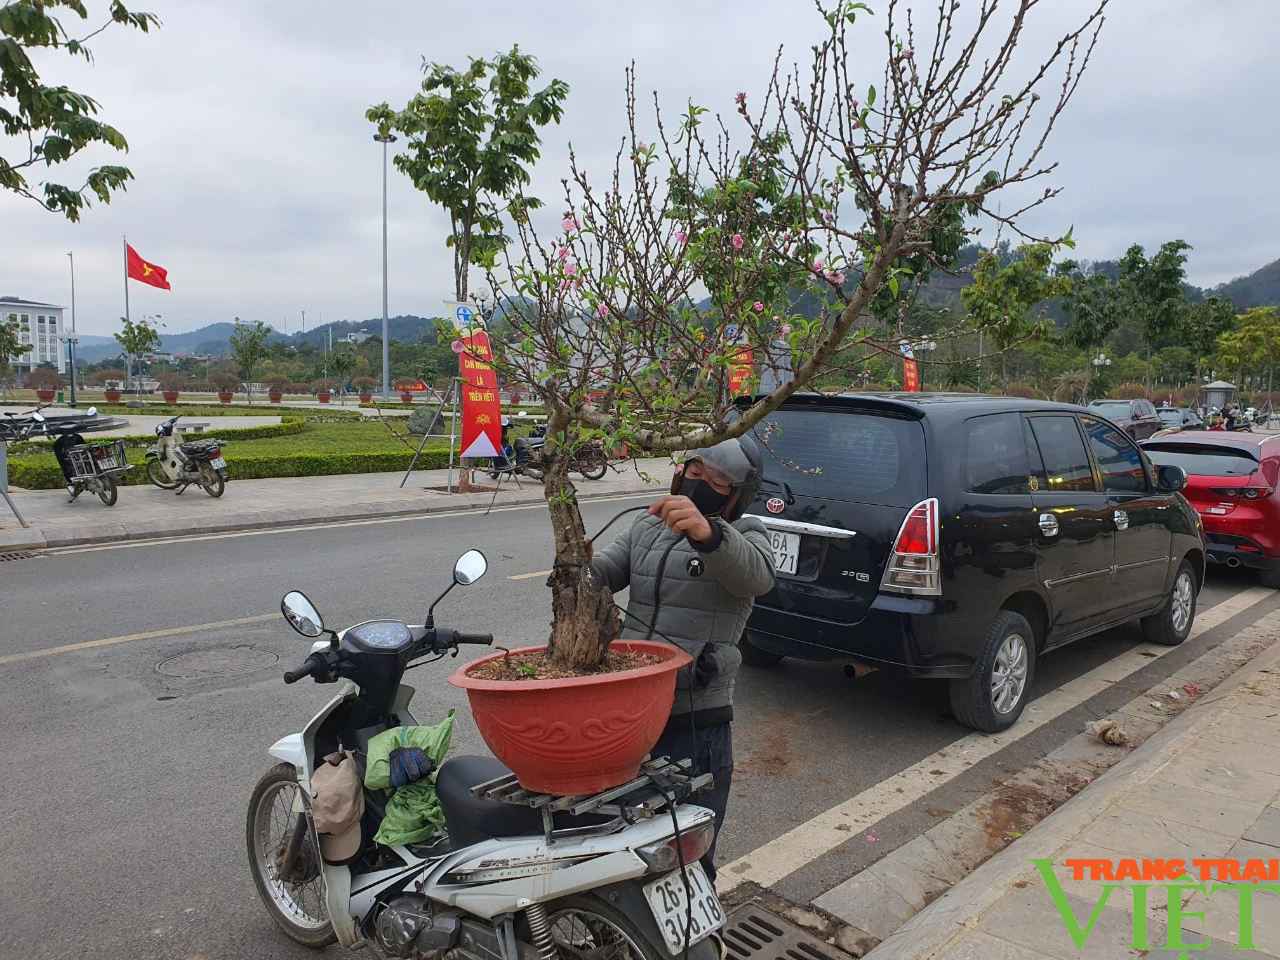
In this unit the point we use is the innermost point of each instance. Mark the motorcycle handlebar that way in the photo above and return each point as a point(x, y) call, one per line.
point(305, 669)
point(481, 639)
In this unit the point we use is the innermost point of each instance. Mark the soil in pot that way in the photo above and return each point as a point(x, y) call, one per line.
point(537, 665)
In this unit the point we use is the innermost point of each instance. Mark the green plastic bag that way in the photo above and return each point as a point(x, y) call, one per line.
point(414, 812)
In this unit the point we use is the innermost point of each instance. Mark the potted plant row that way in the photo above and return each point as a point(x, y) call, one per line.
point(171, 385)
point(364, 386)
point(276, 386)
point(226, 384)
point(324, 390)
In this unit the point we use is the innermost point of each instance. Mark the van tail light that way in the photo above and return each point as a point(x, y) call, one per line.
point(913, 565)
point(1242, 493)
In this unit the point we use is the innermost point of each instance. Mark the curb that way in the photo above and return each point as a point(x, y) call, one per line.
point(933, 929)
point(36, 538)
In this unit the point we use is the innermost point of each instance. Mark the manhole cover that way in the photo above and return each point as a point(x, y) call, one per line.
point(219, 662)
point(754, 933)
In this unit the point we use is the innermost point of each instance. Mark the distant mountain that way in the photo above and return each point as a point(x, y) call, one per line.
point(1259, 289)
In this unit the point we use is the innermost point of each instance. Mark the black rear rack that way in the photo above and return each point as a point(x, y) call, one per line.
point(660, 783)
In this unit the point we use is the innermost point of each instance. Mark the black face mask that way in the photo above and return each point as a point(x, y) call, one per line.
point(705, 497)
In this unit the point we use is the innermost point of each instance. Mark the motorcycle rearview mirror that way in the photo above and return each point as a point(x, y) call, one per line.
point(38, 417)
point(471, 566)
point(303, 615)
point(92, 412)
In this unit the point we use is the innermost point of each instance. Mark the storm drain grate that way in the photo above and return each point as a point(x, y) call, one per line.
point(753, 933)
point(16, 556)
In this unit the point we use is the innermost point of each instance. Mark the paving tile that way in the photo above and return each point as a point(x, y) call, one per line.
point(1266, 829)
point(1141, 834)
point(921, 854)
point(1221, 743)
point(1029, 918)
point(1213, 950)
point(916, 887)
point(1195, 807)
point(982, 946)
point(869, 903)
point(963, 839)
point(1224, 779)
point(1258, 722)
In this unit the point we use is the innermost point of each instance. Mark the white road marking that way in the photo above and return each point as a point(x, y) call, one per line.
point(771, 862)
point(303, 527)
point(129, 638)
point(530, 576)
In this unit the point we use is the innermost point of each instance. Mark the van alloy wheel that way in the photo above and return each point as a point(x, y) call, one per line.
point(1171, 625)
point(1009, 674)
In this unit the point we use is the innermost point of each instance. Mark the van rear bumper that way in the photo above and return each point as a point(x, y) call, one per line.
point(909, 633)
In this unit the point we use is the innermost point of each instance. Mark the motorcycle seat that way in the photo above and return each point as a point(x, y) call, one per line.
point(197, 446)
point(470, 819)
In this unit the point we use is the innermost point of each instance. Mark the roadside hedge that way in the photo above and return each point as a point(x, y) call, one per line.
point(288, 426)
point(41, 471)
point(230, 410)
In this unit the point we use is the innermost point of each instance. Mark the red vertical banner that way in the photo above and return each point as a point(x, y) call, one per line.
point(910, 376)
point(741, 372)
point(481, 408)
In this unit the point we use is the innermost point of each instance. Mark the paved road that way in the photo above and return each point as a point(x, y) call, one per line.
point(124, 795)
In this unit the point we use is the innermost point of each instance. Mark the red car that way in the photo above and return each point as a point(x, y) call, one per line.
point(1231, 482)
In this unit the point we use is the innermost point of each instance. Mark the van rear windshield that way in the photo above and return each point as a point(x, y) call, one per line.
point(859, 456)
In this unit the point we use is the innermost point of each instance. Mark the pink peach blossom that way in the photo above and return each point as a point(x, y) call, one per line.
point(603, 310)
point(563, 253)
point(737, 241)
point(818, 265)
point(682, 238)
point(571, 268)
point(785, 329)
point(758, 307)
point(570, 224)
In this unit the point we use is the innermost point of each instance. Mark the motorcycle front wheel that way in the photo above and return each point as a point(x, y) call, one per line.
point(108, 494)
point(593, 465)
point(157, 475)
point(296, 903)
point(211, 481)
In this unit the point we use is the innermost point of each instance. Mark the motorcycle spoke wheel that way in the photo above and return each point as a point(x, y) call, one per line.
point(211, 481)
point(156, 474)
point(109, 494)
point(585, 930)
point(297, 902)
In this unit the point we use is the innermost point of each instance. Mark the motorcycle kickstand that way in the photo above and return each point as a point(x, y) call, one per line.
point(182, 489)
point(78, 490)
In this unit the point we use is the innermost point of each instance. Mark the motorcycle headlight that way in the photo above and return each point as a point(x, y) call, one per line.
point(159, 429)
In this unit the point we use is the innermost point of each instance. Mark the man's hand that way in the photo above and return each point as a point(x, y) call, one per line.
point(682, 517)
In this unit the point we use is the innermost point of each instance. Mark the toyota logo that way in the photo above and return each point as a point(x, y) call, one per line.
point(776, 505)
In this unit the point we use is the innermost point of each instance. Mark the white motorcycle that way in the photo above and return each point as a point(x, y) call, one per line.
point(174, 465)
point(514, 875)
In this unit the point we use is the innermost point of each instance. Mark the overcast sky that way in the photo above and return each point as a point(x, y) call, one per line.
point(259, 186)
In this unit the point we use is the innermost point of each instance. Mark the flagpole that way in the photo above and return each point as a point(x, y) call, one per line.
point(125, 242)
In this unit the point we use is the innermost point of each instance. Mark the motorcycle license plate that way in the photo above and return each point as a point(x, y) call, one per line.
point(218, 463)
point(669, 900)
point(786, 549)
point(107, 463)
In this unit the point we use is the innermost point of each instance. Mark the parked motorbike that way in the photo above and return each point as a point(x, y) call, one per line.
point(524, 456)
point(95, 467)
point(174, 465)
point(514, 875)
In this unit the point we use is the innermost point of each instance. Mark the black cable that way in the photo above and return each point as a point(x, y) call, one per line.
point(618, 517)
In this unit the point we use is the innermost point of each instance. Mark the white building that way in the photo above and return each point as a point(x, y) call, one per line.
point(39, 324)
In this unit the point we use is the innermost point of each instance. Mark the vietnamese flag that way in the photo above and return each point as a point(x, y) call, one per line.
point(139, 269)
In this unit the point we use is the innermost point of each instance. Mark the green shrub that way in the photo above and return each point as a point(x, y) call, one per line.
point(197, 412)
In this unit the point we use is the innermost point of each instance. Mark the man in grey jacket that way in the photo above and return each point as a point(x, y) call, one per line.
point(694, 565)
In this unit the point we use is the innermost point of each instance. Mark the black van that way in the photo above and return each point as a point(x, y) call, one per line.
point(960, 536)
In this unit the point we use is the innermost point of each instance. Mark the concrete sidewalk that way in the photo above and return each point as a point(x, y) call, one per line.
point(1206, 787)
point(145, 512)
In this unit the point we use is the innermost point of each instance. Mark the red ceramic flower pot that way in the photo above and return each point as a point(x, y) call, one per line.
point(44, 396)
point(322, 397)
point(170, 396)
point(577, 735)
point(111, 396)
point(225, 396)
point(406, 398)
point(275, 396)
point(366, 398)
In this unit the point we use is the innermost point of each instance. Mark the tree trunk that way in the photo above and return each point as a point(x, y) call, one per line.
point(1004, 372)
point(584, 618)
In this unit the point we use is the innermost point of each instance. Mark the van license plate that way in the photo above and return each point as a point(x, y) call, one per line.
point(669, 901)
point(786, 550)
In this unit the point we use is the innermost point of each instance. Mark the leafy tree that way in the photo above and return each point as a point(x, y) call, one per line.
point(249, 347)
point(1000, 299)
point(1156, 289)
point(628, 321)
point(55, 122)
point(472, 136)
point(1202, 324)
point(1260, 330)
point(138, 337)
point(342, 362)
point(11, 347)
point(1094, 304)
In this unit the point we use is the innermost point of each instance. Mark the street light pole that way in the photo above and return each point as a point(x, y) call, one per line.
point(386, 348)
point(71, 343)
